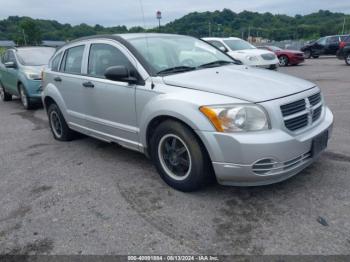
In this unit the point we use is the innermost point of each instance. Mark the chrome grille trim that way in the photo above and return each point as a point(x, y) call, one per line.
point(277, 167)
point(302, 113)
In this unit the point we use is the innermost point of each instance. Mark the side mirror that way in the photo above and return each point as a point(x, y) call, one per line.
point(223, 49)
point(10, 65)
point(120, 73)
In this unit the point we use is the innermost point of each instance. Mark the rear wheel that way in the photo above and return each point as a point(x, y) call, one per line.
point(58, 124)
point(26, 102)
point(179, 157)
point(347, 59)
point(283, 60)
point(4, 96)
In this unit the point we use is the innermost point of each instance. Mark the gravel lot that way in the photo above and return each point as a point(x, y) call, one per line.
point(89, 197)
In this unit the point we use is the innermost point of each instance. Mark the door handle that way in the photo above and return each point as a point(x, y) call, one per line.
point(58, 79)
point(88, 84)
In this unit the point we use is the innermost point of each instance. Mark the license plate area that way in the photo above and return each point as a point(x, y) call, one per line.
point(319, 143)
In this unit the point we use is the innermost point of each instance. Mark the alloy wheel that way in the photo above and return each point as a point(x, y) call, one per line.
point(24, 98)
point(347, 60)
point(2, 92)
point(175, 157)
point(283, 61)
point(56, 124)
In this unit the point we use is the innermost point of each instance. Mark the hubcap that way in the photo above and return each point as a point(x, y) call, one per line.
point(56, 124)
point(174, 157)
point(24, 98)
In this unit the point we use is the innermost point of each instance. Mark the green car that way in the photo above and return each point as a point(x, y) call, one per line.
point(20, 73)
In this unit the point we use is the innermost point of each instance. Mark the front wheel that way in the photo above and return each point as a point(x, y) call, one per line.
point(307, 54)
point(26, 102)
point(283, 60)
point(347, 59)
point(4, 96)
point(179, 157)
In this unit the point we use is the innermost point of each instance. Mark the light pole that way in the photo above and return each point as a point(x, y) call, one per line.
point(159, 16)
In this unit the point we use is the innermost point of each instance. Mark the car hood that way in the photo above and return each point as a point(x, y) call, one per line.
point(35, 69)
point(242, 82)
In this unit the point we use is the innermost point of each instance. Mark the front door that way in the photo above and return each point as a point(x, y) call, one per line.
point(110, 105)
point(11, 74)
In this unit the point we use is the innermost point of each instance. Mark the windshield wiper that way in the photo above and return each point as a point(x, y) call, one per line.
point(216, 63)
point(176, 69)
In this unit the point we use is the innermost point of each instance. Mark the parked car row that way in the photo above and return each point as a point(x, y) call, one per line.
point(190, 107)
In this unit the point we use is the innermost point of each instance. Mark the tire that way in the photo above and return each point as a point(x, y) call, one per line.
point(307, 54)
point(4, 96)
point(283, 60)
point(58, 124)
point(347, 59)
point(26, 102)
point(183, 164)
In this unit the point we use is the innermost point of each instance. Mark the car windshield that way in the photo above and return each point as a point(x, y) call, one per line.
point(174, 54)
point(238, 44)
point(275, 48)
point(35, 56)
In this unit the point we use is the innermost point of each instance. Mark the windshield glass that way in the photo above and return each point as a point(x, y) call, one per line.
point(35, 56)
point(166, 52)
point(238, 44)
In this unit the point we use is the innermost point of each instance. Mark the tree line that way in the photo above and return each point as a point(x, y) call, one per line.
point(25, 30)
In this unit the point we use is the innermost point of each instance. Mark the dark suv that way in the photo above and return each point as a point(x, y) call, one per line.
point(328, 45)
point(344, 50)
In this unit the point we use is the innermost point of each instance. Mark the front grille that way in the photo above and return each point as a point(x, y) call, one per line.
point(315, 99)
point(317, 114)
point(293, 108)
point(268, 56)
point(297, 122)
point(269, 166)
point(302, 113)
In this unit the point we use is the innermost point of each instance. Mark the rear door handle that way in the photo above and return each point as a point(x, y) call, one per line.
point(88, 84)
point(58, 79)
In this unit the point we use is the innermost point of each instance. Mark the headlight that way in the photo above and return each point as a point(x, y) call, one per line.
point(33, 75)
point(237, 118)
point(252, 58)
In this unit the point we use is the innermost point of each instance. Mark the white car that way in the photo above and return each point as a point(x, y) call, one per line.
point(245, 52)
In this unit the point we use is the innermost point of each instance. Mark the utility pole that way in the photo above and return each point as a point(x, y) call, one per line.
point(342, 32)
point(159, 16)
point(209, 29)
point(24, 37)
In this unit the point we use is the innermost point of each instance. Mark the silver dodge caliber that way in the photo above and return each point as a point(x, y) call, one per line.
point(188, 106)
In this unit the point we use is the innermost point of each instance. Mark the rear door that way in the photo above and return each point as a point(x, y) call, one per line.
point(319, 47)
point(110, 105)
point(332, 45)
point(68, 80)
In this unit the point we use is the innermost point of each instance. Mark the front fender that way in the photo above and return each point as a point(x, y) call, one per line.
point(171, 106)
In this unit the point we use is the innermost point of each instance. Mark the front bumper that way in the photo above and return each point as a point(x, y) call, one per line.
point(234, 155)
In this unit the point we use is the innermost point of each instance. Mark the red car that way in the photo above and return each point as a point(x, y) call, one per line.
point(286, 57)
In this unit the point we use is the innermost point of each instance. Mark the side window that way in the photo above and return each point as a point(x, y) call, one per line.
point(73, 60)
point(103, 56)
point(333, 40)
point(55, 64)
point(322, 41)
point(218, 44)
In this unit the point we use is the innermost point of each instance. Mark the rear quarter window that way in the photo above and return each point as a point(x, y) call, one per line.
point(55, 64)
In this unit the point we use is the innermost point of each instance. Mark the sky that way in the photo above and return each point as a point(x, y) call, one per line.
point(143, 12)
